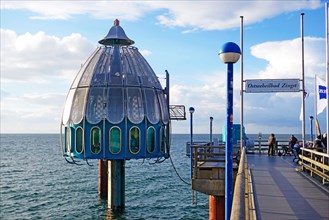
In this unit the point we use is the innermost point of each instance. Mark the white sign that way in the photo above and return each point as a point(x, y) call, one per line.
point(272, 85)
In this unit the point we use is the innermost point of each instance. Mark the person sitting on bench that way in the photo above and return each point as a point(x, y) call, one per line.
point(319, 146)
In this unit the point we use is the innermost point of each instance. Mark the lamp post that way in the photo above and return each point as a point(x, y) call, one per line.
point(229, 54)
point(211, 119)
point(191, 110)
point(311, 119)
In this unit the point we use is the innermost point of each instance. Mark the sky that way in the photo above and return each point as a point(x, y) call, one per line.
point(44, 43)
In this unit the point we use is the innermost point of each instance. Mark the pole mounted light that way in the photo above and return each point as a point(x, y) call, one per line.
point(191, 110)
point(229, 54)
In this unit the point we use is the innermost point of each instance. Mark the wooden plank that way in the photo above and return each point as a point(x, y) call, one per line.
point(318, 172)
point(316, 163)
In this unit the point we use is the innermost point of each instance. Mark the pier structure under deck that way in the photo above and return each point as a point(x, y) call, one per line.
point(208, 174)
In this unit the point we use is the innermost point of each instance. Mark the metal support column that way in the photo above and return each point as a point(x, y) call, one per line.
point(116, 187)
point(102, 179)
point(216, 207)
point(241, 85)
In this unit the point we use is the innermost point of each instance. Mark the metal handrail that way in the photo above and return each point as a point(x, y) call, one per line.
point(202, 154)
point(243, 206)
point(261, 145)
point(238, 205)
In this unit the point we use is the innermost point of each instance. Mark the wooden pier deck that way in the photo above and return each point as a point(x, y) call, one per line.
point(282, 192)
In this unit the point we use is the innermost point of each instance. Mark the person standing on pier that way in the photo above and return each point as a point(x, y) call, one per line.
point(271, 145)
point(293, 140)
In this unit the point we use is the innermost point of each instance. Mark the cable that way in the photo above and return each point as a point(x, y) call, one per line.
point(177, 172)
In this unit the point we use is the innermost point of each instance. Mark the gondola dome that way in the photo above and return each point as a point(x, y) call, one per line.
point(116, 107)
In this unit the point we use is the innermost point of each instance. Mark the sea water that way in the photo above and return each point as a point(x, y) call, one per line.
point(37, 183)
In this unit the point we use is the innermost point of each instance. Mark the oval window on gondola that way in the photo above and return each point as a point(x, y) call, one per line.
point(134, 140)
point(115, 140)
point(79, 140)
point(150, 140)
point(96, 140)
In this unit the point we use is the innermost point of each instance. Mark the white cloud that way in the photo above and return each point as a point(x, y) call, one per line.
point(40, 57)
point(64, 10)
point(31, 113)
point(219, 15)
point(193, 15)
point(285, 58)
point(145, 52)
point(35, 70)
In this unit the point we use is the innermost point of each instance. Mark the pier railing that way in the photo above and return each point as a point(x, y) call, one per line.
point(258, 146)
point(315, 163)
point(208, 168)
point(243, 206)
point(261, 145)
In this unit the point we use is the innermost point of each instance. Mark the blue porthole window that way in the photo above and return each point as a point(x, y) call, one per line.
point(134, 140)
point(162, 140)
point(79, 140)
point(95, 140)
point(150, 140)
point(115, 140)
point(68, 140)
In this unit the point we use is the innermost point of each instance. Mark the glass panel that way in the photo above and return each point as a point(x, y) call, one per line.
point(152, 106)
point(135, 105)
point(99, 78)
point(164, 107)
point(101, 70)
point(115, 105)
point(131, 75)
point(79, 140)
point(150, 139)
point(79, 104)
point(95, 145)
point(105, 68)
point(88, 73)
point(67, 107)
point(115, 140)
point(148, 72)
point(95, 108)
point(116, 68)
point(134, 140)
point(68, 139)
point(82, 70)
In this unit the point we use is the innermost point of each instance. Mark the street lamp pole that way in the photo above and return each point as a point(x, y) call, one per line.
point(230, 54)
point(191, 110)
